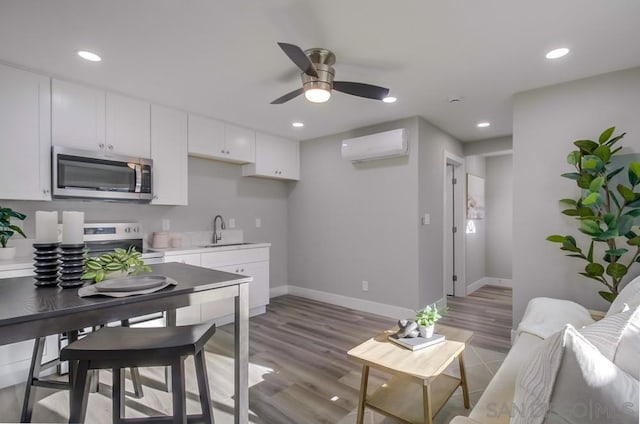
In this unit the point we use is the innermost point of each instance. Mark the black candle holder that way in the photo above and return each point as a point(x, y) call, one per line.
point(46, 263)
point(72, 258)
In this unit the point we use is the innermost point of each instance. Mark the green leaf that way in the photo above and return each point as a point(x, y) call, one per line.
point(573, 158)
point(555, 238)
point(614, 173)
point(590, 227)
point(634, 173)
point(606, 135)
point(586, 146)
point(570, 212)
point(625, 223)
point(596, 184)
point(615, 139)
point(571, 175)
point(635, 241)
point(585, 212)
point(592, 199)
point(569, 202)
point(590, 254)
point(610, 219)
point(584, 181)
point(89, 275)
point(592, 163)
point(633, 213)
point(626, 192)
point(604, 153)
point(594, 269)
point(616, 270)
point(608, 296)
point(616, 252)
point(607, 235)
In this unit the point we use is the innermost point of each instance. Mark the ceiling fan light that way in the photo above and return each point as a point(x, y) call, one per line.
point(317, 95)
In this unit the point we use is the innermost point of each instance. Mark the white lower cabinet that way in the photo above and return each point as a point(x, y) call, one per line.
point(189, 314)
point(15, 358)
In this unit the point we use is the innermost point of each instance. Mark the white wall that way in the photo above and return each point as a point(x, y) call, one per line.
point(488, 147)
point(499, 214)
point(214, 188)
point(475, 242)
point(353, 222)
point(433, 143)
point(546, 121)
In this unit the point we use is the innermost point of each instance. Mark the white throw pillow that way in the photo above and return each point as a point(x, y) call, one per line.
point(568, 381)
point(630, 295)
point(617, 337)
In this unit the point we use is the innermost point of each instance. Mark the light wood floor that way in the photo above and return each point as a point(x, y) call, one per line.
point(487, 312)
point(299, 372)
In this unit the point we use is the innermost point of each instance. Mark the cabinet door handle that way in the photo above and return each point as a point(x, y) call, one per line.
point(242, 270)
point(227, 152)
point(222, 151)
point(110, 146)
point(101, 145)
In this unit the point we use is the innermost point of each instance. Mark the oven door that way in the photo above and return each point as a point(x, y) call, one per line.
point(85, 174)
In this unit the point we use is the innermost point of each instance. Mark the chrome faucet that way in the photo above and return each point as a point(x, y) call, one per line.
point(217, 236)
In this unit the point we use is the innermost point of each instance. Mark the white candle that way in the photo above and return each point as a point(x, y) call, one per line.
point(46, 227)
point(72, 227)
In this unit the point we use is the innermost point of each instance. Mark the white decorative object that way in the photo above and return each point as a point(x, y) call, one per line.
point(426, 331)
point(617, 337)
point(72, 227)
point(629, 294)
point(46, 227)
point(567, 378)
point(475, 197)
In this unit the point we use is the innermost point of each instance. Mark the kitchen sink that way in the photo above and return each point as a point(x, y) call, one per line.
point(224, 244)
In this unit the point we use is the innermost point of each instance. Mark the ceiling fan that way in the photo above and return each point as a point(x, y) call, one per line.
point(317, 77)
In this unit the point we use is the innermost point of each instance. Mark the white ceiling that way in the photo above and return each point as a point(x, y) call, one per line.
point(220, 57)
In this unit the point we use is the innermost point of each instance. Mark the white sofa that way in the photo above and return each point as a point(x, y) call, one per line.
point(543, 317)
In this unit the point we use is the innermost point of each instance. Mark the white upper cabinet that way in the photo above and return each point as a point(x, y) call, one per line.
point(169, 154)
point(212, 139)
point(128, 126)
point(276, 157)
point(240, 144)
point(25, 135)
point(91, 119)
point(78, 116)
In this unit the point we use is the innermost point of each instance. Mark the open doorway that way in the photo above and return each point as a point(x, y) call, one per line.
point(453, 225)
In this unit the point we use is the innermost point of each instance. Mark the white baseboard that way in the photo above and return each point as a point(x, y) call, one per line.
point(501, 282)
point(278, 291)
point(390, 311)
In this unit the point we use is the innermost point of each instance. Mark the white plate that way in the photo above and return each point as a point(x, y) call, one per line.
point(131, 283)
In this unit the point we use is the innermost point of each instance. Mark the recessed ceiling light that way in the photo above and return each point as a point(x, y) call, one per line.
point(483, 124)
point(389, 99)
point(298, 124)
point(557, 53)
point(89, 56)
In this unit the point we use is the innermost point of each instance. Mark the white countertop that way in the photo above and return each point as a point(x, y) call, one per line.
point(26, 262)
point(199, 249)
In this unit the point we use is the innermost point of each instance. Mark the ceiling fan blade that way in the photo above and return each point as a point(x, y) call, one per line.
point(288, 96)
point(298, 57)
point(361, 90)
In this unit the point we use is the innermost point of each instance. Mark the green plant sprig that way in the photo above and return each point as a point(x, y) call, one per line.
point(429, 315)
point(7, 230)
point(119, 260)
point(606, 214)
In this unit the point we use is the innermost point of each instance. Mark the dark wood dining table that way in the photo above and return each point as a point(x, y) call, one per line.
point(27, 311)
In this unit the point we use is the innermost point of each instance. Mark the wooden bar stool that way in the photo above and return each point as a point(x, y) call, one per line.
point(34, 378)
point(116, 348)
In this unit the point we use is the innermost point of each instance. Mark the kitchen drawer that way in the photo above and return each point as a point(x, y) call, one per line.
point(189, 259)
point(232, 257)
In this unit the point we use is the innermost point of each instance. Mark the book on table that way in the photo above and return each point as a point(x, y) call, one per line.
point(417, 343)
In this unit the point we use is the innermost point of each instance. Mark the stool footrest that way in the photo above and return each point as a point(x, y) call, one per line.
point(191, 419)
point(57, 385)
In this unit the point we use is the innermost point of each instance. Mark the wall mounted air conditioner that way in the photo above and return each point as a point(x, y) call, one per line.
point(383, 145)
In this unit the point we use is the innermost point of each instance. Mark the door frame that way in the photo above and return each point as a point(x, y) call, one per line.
point(461, 283)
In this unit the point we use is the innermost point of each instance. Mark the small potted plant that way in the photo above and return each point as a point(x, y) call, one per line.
point(7, 230)
point(117, 264)
point(426, 319)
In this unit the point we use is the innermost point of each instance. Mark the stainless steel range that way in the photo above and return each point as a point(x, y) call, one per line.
point(104, 237)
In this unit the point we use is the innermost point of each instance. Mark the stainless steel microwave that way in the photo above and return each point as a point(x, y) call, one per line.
point(95, 175)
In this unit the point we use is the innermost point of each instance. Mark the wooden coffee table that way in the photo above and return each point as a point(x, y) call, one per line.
point(400, 397)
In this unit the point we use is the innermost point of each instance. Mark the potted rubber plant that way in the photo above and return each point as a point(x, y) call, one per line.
point(426, 319)
point(8, 230)
point(117, 264)
point(606, 210)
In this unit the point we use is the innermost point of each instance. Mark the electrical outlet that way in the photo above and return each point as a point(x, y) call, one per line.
point(166, 224)
point(426, 219)
point(232, 223)
point(365, 285)
point(258, 223)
